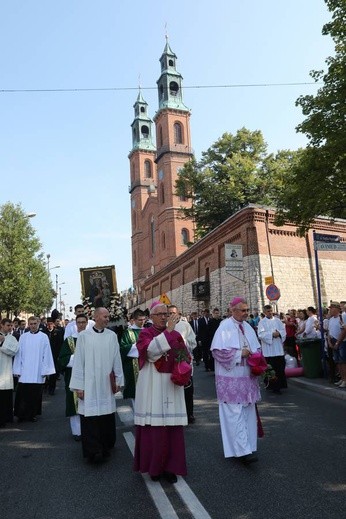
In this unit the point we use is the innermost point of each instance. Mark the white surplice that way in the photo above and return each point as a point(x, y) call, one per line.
point(34, 360)
point(96, 356)
point(8, 350)
point(237, 390)
point(158, 400)
point(271, 346)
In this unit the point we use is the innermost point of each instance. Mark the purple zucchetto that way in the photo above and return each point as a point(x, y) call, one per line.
point(236, 300)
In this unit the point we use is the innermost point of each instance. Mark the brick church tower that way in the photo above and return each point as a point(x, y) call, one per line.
point(159, 234)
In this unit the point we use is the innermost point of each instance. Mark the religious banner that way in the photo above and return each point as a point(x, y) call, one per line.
point(98, 285)
point(234, 260)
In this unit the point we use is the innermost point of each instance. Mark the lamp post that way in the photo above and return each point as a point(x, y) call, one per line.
point(58, 287)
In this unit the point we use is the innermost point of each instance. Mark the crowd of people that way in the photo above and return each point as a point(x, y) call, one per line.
point(152, 361)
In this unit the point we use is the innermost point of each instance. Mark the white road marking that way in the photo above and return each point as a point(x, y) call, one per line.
point(156, 491)
point(125, 413)
point(159, 497)
point(190, 499)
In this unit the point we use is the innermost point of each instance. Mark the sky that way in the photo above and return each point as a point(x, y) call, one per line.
point(64, 155)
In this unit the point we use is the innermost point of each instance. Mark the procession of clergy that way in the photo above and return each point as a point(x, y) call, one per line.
point(152, 365)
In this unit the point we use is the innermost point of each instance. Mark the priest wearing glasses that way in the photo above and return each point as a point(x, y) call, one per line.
point(160, 411)
point(237, 390)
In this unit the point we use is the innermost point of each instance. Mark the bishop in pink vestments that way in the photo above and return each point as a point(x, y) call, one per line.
point(237, 389)
point(160, 411)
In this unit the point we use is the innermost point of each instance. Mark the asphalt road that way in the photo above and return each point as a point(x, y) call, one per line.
point(301, 472)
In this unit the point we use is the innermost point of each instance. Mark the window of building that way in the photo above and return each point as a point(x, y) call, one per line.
point(184, 236)
point(171, 63)
point(160, 136)
point(162, 193)
point(134, 258)
point(142, 109)
point(152, 235)
point(178, 133)
point(163, 240)
point(145, 131)
point(173, 88)
point(147, 169)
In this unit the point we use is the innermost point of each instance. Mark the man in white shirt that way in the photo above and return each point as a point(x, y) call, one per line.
point(8, 348)
point(97, 374)
point(272, 334)
point(71, 328)
point(33, 362)
point(337, 340)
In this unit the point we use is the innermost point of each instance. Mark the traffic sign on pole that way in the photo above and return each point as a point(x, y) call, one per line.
point(273, 292)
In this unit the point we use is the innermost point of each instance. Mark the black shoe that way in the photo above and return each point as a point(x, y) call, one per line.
point(191, 419)
point(170, 477)
point(33, 419)
point(95, 458)
point(248, 458)
point(155, 478)
point(106, 454)
point(77, 437)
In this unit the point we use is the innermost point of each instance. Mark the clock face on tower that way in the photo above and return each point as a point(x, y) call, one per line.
point(160, 174)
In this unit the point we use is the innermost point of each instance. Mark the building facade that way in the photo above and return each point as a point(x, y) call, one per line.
point(195, 276)
point(268, 251)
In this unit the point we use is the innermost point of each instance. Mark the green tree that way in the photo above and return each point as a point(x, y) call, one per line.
point(232, 173)
point(317, 185)
point(24, 280)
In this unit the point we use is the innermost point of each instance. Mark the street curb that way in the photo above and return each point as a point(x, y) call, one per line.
point(324, 390)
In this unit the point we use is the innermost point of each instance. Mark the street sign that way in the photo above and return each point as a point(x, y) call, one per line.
point(327, 238)
point(268, 280)
point(320, 245)
point(273, 292)
point(164, 299)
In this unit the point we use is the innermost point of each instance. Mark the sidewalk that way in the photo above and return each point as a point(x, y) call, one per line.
point(319, 385)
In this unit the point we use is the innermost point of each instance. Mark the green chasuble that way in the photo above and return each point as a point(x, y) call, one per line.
point(130, 364)
point(68, 349)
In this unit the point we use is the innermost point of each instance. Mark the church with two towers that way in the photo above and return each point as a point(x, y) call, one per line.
point(159, 234)
point(194, 275)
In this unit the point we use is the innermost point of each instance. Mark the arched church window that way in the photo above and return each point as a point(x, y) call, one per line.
point(152, 235)
point(160, 139)
point(184, 236)
point(178, 133)
point(171, 63)
point(147, 169)
point(173, 88)
point(142, 109)
point(145, 131)
point(162, 193)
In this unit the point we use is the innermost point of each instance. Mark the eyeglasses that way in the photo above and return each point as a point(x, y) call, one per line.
point(161, 314)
